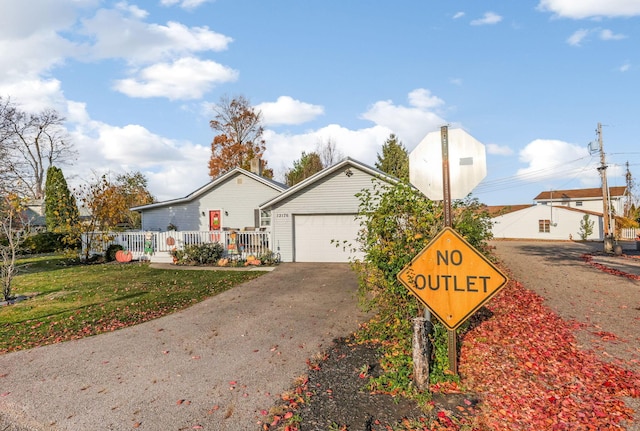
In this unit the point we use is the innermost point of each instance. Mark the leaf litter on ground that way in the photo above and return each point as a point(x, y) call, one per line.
point(520, 359)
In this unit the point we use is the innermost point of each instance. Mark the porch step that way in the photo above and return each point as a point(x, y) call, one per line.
point(161, 257)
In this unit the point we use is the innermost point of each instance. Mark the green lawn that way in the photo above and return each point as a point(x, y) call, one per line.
point(70, 302)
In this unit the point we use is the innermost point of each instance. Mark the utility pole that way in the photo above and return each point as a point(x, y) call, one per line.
point(608, 238)
point(627, 202)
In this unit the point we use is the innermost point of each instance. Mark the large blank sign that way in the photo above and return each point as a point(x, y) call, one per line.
point(467, 164)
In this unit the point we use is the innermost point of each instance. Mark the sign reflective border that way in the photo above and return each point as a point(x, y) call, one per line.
point(452, 278)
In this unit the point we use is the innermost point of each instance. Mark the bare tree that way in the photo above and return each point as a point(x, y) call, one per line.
point(14, 228)
point(29, 144)
point(329, 154)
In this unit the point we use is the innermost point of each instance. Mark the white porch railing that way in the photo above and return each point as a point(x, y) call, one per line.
point(157, 245)
point(629, 233)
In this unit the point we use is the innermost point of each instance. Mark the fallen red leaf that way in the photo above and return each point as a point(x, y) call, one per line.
point(526, 364)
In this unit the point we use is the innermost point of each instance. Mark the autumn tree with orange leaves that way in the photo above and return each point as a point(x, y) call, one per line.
point(240, 136)
point(106, 203)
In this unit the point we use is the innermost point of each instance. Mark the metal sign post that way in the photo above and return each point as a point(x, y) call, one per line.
point(448, 222)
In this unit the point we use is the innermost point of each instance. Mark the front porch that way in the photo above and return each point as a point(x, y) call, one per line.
point(157, 246)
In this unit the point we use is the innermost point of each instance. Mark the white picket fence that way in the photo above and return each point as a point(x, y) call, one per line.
point(629, 233)
point(156, 246)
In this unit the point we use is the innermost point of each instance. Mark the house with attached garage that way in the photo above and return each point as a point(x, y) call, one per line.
point(557, 215)
point(312, 221)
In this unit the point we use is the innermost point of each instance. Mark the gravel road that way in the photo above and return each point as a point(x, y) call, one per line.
point(214, 366)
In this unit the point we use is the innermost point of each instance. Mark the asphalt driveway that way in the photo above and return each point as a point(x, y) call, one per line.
point(214, 366)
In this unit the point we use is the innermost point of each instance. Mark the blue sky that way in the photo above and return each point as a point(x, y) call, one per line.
point(530, 79)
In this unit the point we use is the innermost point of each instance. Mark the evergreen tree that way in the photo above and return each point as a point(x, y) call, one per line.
point(61, 210)
point(308, 165)
point(394, 159)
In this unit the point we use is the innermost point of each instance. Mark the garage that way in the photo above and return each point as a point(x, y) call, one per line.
point(313, 234)
point(307, 216)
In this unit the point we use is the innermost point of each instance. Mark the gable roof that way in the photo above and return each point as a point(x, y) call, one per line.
point(501, 210)
point(211, 185)
point(345, 163)
point(558, 195)
point(498, 210)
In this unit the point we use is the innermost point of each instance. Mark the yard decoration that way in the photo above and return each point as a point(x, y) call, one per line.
point(123, 256)
point(251, 260)
point(223, 262)
point(171, 241)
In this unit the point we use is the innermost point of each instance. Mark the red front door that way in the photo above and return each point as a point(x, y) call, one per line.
point(214, 220)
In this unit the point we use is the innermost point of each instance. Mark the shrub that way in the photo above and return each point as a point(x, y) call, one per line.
point(269, 258)
point(44, 242)
point(110, 254)
point(199, 254)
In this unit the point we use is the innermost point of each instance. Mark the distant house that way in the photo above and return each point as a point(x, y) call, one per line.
point(556, 215)
point(230, 201)
point(34, 214)
point(543, 222)
point(586, 199)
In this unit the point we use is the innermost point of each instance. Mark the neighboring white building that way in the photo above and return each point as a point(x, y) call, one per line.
point(585, 199)
point(557, 214)
point(543, 222)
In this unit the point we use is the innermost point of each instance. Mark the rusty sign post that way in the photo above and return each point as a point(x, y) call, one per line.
point(448, 222)
point(451, 278)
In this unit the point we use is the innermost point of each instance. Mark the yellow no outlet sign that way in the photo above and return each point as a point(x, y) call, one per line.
point(452, 278)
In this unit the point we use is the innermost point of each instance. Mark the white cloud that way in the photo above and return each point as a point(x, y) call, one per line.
point(410, 123)
point(125, 36)
point(186, 78)
point(488, 18)
point(287, 110)
point(362, 144)
point(184, 4)
point(549, 159)
point(591, 8)
point(581, 35)
point(499, 150)
point(458, 15)
point(625, 67)
point(34, 95)
point(41, 17)
point(577, 37)
point(609, 35)
point(133, 10)
point(33, 54)
point(102, 148)
point(422, 98)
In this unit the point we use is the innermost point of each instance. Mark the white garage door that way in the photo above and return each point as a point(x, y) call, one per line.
point(313, 235)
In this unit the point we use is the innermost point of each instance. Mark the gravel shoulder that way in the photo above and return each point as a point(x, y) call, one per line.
point(606, 307)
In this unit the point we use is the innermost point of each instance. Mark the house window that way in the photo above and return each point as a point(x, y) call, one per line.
point(578, 203)
point(544, 226)
point(265, 218)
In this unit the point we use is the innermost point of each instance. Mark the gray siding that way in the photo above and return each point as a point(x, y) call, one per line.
point(238, 197)
point(331, 195)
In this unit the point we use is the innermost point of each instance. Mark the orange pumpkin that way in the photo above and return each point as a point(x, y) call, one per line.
point(123, 256)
